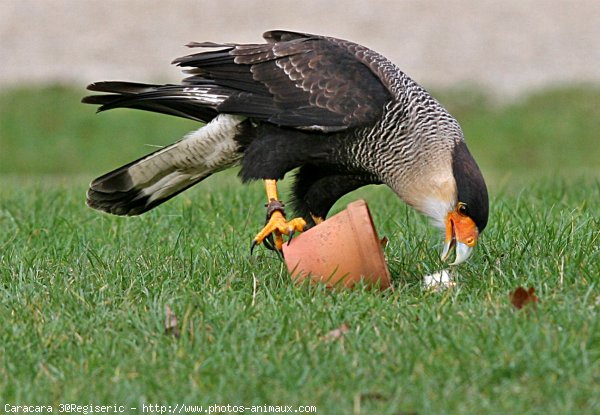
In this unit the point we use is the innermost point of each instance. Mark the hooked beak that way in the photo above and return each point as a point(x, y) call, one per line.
point(461, 234)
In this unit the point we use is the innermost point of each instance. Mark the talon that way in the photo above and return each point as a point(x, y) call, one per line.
point(276, 225)
point(254, 243)
point(269, 243)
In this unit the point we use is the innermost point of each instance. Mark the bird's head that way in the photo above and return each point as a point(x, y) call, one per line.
point(452, 192)
point(468, 213)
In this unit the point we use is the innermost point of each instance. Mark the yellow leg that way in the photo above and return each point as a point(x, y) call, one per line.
point(276, 222)
point(271, 188)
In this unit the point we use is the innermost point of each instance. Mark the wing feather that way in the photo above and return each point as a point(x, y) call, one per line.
point(295, 80)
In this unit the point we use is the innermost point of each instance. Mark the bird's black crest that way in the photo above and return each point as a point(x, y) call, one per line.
point(470, 185)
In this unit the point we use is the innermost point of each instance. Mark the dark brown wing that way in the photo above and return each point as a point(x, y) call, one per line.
point(296, 80)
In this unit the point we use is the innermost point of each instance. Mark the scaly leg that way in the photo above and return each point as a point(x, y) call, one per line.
point(276, 222)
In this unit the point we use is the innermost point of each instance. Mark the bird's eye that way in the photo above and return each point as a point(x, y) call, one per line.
point(462, 208)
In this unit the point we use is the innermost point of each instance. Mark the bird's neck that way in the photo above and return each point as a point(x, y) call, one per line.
point(411, 149)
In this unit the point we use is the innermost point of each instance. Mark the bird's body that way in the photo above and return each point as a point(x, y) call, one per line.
point(340, 113)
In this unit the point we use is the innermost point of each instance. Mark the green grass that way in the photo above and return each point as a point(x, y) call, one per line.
point(82, 294)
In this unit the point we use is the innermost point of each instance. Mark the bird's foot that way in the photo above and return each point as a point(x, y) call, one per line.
point(277, 226)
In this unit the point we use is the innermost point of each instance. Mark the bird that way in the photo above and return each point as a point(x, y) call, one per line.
point(335, 114)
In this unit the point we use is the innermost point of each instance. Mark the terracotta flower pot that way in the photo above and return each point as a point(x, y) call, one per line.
point(340, 251)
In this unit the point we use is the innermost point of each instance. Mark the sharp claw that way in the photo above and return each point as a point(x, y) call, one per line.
point(254, 243)
point(268, 242)
point(292, 233)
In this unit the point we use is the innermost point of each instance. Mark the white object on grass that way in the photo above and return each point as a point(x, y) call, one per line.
point(439, 280)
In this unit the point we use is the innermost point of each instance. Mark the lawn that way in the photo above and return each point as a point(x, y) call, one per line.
point(83, 294)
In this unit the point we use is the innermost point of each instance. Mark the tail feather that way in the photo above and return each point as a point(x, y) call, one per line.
point(138, 200)
point(151, 180)
point(122, 87)
point(141, 185)
point(198, 103)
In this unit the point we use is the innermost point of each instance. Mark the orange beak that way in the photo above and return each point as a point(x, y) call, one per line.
point(462, 234)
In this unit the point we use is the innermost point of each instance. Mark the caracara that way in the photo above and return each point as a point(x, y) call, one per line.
point(341, 114)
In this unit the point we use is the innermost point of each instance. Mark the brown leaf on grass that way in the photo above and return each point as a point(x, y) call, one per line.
point(336, 333)
point(171, 323)
point(521, 297)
